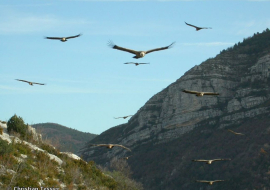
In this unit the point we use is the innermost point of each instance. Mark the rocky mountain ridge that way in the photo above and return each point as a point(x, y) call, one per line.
point(241, 76)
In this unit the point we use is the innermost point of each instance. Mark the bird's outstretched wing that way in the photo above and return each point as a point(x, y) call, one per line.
point(22, 80)
point(190, 92)
point(129, 63)
point(218, 180)
point(117, 117)
point(192, 25)
point(119, 145)
point(73, 36)
point(210, 93)
point(202, 181)
point(198, 28)
point(112, 45)
point(221, 159)
point(200, 160)
point(53, 38)
point(38, 83)
point(235, 132)
point(158, 49)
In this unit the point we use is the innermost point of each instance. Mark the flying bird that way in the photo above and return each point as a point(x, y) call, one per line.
point(138, 54)
point(235, 132)
point(126, 158)
point(62, 39)
point(198, 28)
point(200, 93)
point(263, 151)
point(123, 117)
point(110, 146)
point(136, 64)
point(209, 182)
point(210, 161)
point(30, 83)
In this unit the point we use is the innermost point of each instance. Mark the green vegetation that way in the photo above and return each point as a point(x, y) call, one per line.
point(35, 168)
point(64, 138)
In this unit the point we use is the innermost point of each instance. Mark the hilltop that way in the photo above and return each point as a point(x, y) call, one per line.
point(66, 139)
point(173, 127)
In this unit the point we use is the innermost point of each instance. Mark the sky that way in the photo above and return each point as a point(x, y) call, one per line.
point(87, 82)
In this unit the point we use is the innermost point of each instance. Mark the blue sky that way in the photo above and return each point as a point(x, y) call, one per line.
point(87, 83)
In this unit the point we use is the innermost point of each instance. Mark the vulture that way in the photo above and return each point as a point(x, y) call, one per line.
point(110, 146)
point(30, 83)
point(62, 39)
point(209, 182)
point(123, 117)
point(136, 64)
point(235, 132)
point(198, 28)
point(200, 93)
point(138, 54)
point(210, 161)
point(126, 158)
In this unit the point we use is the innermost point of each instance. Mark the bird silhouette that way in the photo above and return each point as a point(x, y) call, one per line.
point(210, 161)
point(200, 93)
point(138, 54)
point(110, 146)
point(30, 83)
point(235, 132)
point(209, 182)
point(198, 28)
point(62, 39)
point(123, 117)
point(136, 64)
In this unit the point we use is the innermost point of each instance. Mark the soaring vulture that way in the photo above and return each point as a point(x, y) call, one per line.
point(126, 158)
point(235, 132)
point(62, 39)
point(138, 54)
point(198, 28)
point(209, 182)
point(136, 64)
point(123, 117)
point(200, 93)
point(210, 161)
point(30, 83)
point(110, 146)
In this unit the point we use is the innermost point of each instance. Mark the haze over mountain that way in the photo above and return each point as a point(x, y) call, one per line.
point(173, 127)
point(66, 139)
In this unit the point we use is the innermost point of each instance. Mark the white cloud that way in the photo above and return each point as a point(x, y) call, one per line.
point(11, 22)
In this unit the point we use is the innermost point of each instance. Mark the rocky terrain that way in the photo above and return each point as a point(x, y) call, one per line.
point(173, 127)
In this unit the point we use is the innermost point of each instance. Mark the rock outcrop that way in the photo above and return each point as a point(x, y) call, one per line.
point(241, 76)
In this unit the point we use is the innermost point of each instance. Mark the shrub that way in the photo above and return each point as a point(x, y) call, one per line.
point(16, 124)
point(5, 148)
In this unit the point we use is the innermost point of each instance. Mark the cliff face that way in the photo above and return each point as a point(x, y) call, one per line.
point(241, 76)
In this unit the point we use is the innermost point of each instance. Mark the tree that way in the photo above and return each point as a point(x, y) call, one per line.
point(16, 124)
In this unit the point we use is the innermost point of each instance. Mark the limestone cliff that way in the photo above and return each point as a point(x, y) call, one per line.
point(240, 74)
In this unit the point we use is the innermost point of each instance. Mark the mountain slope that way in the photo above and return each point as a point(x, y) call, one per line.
point(66, 139)
point(173, 127)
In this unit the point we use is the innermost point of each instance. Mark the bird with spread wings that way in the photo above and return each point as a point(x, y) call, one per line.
point(136, 64)
point(30, 83)
point(123, 117)
point(62, 39)
point(209, 182)
point(235, 132)
point(138, 54)
point(110, 146)
point(198, 28)
point(210, 161)
point(200, 93)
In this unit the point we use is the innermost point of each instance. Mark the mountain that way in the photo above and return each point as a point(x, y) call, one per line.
point(66, 139)
point(27, 162)
point(174, 127)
